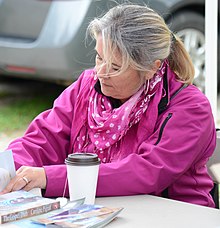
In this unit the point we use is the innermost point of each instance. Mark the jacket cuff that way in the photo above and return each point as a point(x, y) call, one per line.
point(56, 179)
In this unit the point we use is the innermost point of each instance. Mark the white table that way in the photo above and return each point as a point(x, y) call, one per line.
point(155, 212)
point(145, 211)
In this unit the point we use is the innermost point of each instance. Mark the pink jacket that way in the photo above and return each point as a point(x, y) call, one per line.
point(173, 157)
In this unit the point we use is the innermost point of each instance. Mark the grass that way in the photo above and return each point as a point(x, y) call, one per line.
point(4, 94)
point(17, 112)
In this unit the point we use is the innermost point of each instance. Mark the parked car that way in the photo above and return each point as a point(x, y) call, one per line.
point(46, 39)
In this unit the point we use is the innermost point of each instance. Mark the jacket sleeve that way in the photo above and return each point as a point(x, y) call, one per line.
point(188, 137)
point(46, 141)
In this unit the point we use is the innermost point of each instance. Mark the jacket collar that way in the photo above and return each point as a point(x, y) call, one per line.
point(114, 102)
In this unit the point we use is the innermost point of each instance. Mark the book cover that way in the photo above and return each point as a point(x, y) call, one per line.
point(21, 204)
point(83, 216)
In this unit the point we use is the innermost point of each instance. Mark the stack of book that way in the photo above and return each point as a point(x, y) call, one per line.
point(21, 204)
point(24, 209)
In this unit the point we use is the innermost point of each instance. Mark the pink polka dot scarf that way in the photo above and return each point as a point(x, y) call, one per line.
point(106, 125)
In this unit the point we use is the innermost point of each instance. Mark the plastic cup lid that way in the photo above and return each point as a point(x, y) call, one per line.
point(82, 159)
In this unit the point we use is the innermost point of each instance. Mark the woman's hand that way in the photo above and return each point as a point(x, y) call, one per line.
point(26, 179)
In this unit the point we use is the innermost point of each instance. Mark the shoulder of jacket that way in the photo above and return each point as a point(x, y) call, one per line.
point(87, 75)
point(192, 93)
point(188, 99)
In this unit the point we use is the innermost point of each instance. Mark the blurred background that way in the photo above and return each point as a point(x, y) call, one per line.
point(43, 49)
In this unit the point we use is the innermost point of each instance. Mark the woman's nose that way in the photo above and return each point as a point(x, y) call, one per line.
point(101, 70)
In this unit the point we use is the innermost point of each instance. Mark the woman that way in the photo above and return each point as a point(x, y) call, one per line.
point(137, 109)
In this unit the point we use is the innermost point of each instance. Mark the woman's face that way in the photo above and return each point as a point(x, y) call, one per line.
point(122, 86)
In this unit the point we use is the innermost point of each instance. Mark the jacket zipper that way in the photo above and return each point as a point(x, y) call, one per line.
point(162, 127)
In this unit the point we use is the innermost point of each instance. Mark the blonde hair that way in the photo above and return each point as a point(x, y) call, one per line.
point(141, 36)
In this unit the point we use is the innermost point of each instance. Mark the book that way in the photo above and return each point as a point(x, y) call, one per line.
point(83, 216)
point(28, 222)
point(7, 162)
point(21, 204)
point(7, 168)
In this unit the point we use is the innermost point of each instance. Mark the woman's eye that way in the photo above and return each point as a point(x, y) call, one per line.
point(98, 58)
point(115, 69)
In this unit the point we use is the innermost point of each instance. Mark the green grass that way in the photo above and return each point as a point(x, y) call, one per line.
point(18, 113)
point(4, 94)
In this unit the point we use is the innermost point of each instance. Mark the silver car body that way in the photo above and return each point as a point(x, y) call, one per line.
point(46, 39)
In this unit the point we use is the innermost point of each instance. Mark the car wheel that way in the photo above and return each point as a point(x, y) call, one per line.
point(190, 26)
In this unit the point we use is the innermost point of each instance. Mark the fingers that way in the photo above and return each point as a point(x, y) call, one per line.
point(27, 178)
point(15, 184)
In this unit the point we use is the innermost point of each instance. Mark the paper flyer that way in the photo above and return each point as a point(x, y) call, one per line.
point(7, 168)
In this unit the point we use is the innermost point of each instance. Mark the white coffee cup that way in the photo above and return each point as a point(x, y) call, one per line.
point(82, 175)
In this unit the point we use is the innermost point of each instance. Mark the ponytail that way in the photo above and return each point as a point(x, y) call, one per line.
point(180, 61)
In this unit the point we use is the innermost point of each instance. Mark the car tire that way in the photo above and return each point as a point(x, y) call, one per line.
point(190, 26)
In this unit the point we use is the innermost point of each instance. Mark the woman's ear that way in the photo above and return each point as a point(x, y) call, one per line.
point(157, 64)
point(149, 74)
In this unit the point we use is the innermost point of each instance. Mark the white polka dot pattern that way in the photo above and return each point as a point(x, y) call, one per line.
point(106, 125)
